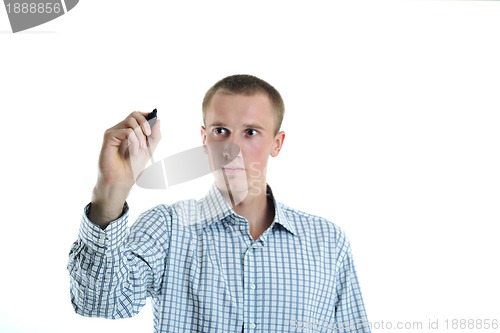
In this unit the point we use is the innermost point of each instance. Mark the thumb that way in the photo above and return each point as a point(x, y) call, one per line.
point(155, 136)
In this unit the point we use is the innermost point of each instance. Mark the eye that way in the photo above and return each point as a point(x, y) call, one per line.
point(251, 132)
point(221, 131)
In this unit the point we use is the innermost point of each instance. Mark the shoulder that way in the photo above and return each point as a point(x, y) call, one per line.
point(315, 229)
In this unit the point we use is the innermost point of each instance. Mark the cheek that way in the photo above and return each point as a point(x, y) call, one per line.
point(255, 152)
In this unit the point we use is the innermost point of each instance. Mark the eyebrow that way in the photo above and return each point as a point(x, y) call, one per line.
point(255, 126)
point(217, 124)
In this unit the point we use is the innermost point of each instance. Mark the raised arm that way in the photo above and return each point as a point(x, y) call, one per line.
point(126, 149)
point(113, 268)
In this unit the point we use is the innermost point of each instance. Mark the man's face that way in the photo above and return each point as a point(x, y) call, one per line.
point(247, 122)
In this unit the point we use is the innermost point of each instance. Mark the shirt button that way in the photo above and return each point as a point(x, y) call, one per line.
point(253, 286)
point(252, 325)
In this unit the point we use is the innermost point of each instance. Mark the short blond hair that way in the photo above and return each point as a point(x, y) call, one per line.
point(247, 85)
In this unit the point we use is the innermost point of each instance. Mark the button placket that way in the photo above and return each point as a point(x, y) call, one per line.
point(250, 296)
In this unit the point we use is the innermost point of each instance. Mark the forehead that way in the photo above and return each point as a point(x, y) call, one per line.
point(240, 106)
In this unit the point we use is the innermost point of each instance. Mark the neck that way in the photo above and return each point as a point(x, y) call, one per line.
point(253, 206)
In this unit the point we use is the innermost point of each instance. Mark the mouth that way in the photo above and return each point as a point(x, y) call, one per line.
point(232, 169)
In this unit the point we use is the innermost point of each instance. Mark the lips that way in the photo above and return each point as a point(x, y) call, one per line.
point(233, 169)
point(234, 165)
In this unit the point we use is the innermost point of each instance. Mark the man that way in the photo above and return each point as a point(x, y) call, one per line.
point(234, 261)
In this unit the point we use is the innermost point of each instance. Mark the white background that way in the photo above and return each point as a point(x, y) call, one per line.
point(392, 122)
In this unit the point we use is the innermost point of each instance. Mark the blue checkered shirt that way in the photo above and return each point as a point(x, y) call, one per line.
point(204, 272)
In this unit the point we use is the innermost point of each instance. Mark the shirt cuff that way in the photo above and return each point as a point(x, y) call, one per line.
point(109, 239)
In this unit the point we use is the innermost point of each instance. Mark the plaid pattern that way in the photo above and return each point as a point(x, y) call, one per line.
point(204, 272)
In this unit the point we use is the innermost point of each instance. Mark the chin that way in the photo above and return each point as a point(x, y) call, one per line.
point(237, 187)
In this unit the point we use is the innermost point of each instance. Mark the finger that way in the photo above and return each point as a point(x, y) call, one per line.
point(141, 137)
point(140, 117)
point(132, 123)
point(155, 136)
point(133, 120)
point(134, 143)
point(121, 139)
point(138, 156)
point(116, 136)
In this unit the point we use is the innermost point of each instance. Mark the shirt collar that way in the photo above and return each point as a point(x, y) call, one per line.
point(279, 215)
point(214, 208)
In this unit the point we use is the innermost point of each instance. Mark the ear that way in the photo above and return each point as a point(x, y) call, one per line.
point(203, 135)
point(278, 143)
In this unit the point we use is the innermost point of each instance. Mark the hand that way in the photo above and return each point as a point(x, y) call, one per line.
point(126, 149)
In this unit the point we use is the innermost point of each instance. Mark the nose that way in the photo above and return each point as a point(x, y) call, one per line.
point(222, 153)
point(231, 150)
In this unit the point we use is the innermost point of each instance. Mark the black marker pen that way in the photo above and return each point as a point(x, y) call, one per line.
point(151, 118)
